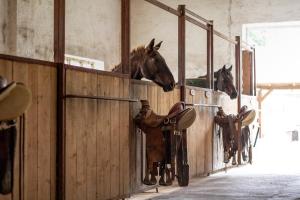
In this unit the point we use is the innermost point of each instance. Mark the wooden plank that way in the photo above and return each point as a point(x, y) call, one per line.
point(124, 139)
point(43, 133)
point(103, 138)
point(247, 73)
point(53, 95)
point(28, 74)
point(71, 141)
point(90, 124)
point(115, 139)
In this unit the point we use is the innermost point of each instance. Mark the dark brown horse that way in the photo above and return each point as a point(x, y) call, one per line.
point(223, 81)
point(146, 62)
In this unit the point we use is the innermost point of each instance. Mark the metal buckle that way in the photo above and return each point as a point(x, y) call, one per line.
point(166, 120)
point(173, 121)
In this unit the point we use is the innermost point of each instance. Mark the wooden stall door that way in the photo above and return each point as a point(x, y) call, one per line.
point(248, 83)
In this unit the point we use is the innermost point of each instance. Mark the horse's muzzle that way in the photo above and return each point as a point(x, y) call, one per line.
point(169, 87)
point(233, 95)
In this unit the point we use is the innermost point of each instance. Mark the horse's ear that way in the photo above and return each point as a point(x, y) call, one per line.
point(150, 45)
point(230, 68)
point(224, 67)
point(158, 45)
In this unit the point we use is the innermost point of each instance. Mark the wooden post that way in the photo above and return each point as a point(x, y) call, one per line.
point(210, 50)
point(181, 51)
point(238, 86)
point(254, 71)
point(181, 69)
point(125, 35)
point(59, 55)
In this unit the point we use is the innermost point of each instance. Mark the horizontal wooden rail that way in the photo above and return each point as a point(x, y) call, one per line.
point(27, 60)
point(221, 35)
point(75, 96)
point(198, 16)
point(164, 7)
point(278, 86)
point(195, 22)
point(96, 71)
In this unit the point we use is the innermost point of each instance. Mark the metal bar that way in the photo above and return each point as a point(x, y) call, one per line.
point(195, 22)
point(69, 96)
point(125, 36)
point(221, 35)
point(238, 85)
point(198, 16)
point(164, 7)
point(203, 105)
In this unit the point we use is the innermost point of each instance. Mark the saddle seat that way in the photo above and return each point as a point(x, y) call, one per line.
point(178, 116)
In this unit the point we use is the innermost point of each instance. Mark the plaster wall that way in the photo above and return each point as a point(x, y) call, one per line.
point(93, 30)
point(148, 21)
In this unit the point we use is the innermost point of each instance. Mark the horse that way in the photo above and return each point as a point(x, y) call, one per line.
point(147, 62)
point(223, 81)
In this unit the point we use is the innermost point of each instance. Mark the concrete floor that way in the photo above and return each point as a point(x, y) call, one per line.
point(236, 184)
point(274, 175)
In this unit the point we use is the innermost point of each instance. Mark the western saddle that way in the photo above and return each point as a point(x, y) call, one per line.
point(160, 130)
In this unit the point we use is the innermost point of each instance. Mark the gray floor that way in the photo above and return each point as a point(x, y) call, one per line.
point(243, 183)
point(275, 174)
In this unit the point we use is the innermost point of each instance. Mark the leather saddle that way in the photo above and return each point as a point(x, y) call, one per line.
point(178, 118)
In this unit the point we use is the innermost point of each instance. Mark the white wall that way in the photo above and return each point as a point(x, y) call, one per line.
point(149, 21)
point(93, 30)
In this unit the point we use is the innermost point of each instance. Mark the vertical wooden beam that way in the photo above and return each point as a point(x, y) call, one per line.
point(181, 73)
point(59, 54)
point(238, 86)
point(59, 31)
point(181, 51)
point(125, 35)
point(254, 71)
point(212, 55)
point(208, 58)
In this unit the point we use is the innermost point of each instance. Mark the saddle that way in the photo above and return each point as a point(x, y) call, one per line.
point(15, 98)
point(178, 118)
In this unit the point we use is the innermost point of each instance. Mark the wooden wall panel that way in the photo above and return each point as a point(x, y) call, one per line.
point(97, 143)
point(34, 170)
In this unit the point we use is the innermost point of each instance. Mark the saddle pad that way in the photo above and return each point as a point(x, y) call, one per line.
point(14, 102)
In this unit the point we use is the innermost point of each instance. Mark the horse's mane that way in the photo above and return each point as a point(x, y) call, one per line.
point(135, 54)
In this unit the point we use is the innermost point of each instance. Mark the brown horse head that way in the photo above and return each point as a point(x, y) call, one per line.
point(224, 81)
point(156, 69)
point(147, 62)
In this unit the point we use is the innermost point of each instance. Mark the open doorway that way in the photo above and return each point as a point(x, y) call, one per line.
point(278, 69)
